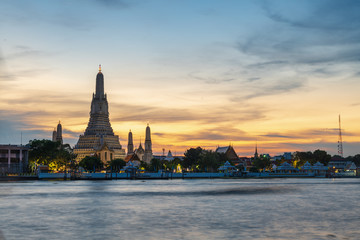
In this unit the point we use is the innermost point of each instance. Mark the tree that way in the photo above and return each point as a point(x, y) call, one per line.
point(145, 166)
point(303, 157)
point(321, 156)
point(91, 163)
point(192, 157)
point(355, 159)
point(261, 163)
point(209, 161)
point(317, 156)
point(155, 164)
point(116, 164)
point(54, 154)
point(43, 151)
point(175, 162)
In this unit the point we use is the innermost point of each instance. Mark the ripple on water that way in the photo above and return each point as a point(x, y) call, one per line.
point(181, 209)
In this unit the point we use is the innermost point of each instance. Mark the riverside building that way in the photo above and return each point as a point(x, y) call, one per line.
point(99, 138)
point(13, 158)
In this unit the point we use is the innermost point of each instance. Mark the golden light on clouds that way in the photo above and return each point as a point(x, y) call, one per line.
point(281, 81)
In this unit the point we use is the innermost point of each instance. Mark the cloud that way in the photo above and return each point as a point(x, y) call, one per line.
point(204, 114)
point(211, 79)
point(305, 36)
point(26, 52)
point(253, 79)
point(266, 64)
point(331, 15)
point(325, 134)
point(114, 3)
point(221, 133)
point(16, 131)
point(7, 77)
point(14, 124)
point(262, 88)
point(275, 135)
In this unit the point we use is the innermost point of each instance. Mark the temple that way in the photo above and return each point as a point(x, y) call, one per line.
point(130, 144)
point(148, 146)
point(140, 154)
point(57, 134)
point(99, 138)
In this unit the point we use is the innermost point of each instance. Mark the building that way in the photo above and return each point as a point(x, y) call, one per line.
point(169, 156)
point(13, 158)
point(54, 135)
point(99, 138)
point(143, 155)
point(339, 165)
point(148, 146)
point(230, 154)
point(286, 156)
point(140, 152)
point(57, 134)
point(130, 148)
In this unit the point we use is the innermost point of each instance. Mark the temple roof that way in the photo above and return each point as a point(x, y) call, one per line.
point(222, 149)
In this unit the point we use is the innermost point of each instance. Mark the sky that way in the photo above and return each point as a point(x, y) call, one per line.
point(202, 73)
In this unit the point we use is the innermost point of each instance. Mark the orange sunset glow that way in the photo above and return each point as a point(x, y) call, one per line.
point(200, 76)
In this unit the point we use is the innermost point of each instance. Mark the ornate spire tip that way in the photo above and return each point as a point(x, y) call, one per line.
point(99, 67)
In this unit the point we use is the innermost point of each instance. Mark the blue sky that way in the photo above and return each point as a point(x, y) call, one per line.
point(202, 73)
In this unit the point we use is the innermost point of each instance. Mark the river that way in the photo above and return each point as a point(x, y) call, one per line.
point(181, 209)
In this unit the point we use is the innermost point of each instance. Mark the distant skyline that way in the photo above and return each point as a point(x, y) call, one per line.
point(201, 73)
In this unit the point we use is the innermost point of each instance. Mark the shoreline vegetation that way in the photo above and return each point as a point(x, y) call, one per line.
point(54, 160)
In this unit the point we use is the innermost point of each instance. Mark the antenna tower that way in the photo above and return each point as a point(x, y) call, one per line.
point(340, 146)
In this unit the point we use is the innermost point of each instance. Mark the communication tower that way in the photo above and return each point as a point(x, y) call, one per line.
point(340, 146)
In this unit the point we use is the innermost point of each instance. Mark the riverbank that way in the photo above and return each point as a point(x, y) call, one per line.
point(160, 175)
point(18, 178)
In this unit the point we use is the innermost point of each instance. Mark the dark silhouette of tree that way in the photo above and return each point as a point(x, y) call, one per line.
point(312, 157)
point(155, 164)
point(43, 151)
point(261, 163)
point(321, 156)
point(54, 154)
point(303, 157)
point(191, 158)
point(145, 166)
point(91, 163)
point(116, 164)
point(355, 159)
point(210, 161)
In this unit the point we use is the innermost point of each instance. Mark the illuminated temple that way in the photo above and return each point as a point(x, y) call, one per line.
point(99, 138)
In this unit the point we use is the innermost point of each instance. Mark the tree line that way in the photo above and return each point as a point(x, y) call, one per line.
point(60, 157)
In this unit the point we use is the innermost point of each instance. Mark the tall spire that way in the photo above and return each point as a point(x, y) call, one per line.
point(130, 143)
point(256, 155)
point(99, 123)
point(147, 134)
point(148, 145)
point(54, 135)
point(99, 84)
point(59, 133)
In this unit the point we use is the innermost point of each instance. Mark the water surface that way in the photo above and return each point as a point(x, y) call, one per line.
point(181, 209)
